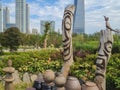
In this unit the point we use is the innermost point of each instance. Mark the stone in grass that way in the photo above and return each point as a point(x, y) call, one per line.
point(26, 78)
point(40, 77)
point(33, 77)
point(17, 79)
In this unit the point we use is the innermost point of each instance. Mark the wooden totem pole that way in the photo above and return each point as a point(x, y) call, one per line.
point(67, 39)
point(104, 53)
point(67, 52)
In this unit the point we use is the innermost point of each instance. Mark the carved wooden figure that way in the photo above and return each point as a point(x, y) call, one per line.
point(67, 51)
point(104, 53)
point(67, 39)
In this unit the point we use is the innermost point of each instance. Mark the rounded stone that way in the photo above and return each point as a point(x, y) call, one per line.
point(9, 63)
point(49, 76)
point(60, 80)
point(90, 86)
point(9, 79)
point(72, 84)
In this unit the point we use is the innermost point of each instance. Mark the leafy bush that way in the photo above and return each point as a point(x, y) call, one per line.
point(116, 48)
point(1, 50)
point(11, 38)
point(21, 86)
point(89, 47)
point(83, 68)
point(33, 61)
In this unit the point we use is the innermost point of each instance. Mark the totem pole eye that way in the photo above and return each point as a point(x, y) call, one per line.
point(108, 46)
point(67, 23)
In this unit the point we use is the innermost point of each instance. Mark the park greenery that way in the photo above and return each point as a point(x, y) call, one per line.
point(85, 52)
point(11, 38)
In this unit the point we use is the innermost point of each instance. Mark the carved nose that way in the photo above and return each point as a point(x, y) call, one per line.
point(101, 51)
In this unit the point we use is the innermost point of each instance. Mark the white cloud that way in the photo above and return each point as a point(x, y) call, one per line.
point(94, 12)
point(96, 9)
point(48, 12)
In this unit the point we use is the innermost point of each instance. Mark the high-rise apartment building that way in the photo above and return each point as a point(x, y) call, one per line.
point(42, 26)
point(1, 17)
point(79, 17)
point(21, 15)
point(6, 17)
point(27, 19)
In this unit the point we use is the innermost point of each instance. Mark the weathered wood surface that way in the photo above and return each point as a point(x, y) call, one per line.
point(67, 39)
point(104, 53)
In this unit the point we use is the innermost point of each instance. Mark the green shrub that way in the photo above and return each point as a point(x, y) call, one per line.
point(1, 50)
point(116, 48)
point(21, 86)
point(83, 68)
point(90, 47)
point(33, 61)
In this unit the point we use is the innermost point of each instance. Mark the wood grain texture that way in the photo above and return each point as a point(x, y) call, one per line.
point(67, 39)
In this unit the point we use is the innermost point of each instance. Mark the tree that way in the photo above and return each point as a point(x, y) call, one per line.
point(34, 40)
point(1, 48)
point(11, 38)
point(55, 39)
point(46, 32)
point(1, 34)
point(23, 39)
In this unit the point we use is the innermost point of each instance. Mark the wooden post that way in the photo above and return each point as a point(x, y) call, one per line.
point(104, 53)
point(67, 39)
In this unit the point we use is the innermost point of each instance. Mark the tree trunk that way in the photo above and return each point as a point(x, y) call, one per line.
point(45, 43)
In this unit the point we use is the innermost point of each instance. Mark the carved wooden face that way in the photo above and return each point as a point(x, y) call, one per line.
point(67, 33)
point(67, 22)
point(104, 49)
point(104, 52)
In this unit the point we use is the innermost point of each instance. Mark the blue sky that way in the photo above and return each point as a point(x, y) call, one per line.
point(53, 10)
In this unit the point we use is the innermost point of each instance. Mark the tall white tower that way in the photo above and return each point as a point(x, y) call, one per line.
point(21, 15)
point(6, 17)
point(1, 17)
point(27, 19)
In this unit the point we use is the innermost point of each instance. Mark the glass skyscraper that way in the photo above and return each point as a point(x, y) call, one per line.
point(1, 17)
point(6, 17)
point(21, 15)
point(27, 19)
point(79, 17)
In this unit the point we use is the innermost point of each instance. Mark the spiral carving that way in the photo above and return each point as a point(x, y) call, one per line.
point(67, 38)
